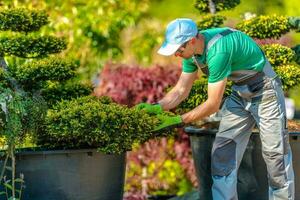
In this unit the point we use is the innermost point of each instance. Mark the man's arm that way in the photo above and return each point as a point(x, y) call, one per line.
point(210, 106)
point(179, 92)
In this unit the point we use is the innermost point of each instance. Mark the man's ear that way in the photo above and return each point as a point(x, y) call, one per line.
point(193, 40)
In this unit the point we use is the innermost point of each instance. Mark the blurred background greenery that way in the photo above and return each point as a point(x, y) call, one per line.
point(130, 31)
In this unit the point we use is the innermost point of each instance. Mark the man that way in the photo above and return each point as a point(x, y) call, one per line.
point(257, 98)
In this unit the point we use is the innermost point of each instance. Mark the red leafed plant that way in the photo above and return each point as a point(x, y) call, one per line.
point(150, 162)
point(130, 85)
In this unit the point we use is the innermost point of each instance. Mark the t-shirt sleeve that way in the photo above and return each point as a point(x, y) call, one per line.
point(219, 66)
point(188, 66)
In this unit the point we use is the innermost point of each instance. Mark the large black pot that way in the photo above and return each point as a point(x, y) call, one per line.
point(252, 176)
point(71, 175)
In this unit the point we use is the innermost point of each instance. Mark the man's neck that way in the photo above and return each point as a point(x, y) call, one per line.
point(200, 44)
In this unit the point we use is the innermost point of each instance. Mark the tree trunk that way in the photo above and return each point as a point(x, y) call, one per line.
point(212, 7)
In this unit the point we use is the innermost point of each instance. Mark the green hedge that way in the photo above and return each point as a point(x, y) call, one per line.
point(89, 122)
point(278, 54)
point(31, 46)
point(67, 91)
point(198, 95)
point(210, 21)
point(203, 6)
point(52, 68)
point(22, 20)
point(289, 74)
point(263, 27)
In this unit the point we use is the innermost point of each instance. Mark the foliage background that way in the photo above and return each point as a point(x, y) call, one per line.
point(130, 31)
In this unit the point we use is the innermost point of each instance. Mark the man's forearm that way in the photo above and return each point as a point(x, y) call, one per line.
point(172, 99)
point(204, 110)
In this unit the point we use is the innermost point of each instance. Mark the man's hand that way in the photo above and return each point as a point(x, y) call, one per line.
point(168, 122)
point(150, 108)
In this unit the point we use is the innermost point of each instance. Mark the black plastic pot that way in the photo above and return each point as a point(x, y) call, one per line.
point(71, 175)
point(252, 176)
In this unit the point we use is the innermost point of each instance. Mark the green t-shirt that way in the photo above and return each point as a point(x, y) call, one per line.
point(233, 52)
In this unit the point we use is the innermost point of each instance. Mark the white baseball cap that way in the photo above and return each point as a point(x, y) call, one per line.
point(177, 33)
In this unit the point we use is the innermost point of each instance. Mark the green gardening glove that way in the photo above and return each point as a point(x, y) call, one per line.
point(150, 108)
point(167, 122)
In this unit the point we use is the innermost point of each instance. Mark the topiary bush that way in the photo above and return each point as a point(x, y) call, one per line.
point(278, 54)
point(54, 92)
point(289, 74)
point(68, 121)
point(31, 46)
point(41, 99)
point(89, 122)
point(210, 21)
point(22, 20)
point(262, 27)
point(49, 69)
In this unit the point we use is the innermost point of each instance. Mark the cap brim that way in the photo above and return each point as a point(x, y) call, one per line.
point(168, 49)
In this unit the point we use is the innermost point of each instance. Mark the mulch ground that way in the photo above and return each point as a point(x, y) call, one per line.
point(294, 126)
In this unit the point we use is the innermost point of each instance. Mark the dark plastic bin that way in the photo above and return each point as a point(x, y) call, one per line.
point(252, 176)
point(71, 175)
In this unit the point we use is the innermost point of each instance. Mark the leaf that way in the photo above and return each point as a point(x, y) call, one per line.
point(8, 186)
point(19, 180)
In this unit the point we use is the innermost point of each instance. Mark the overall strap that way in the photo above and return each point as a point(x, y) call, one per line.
point(204, 67)
point(217, 37)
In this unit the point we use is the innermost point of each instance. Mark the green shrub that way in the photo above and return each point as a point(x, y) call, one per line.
point(31, 46)
point(53, 68)
point(203, 5)
point(56, 92)
point(263, 27)
point(22, 20)
point(278, 54)
point(198, 95)
point(87, 122)
point(211, 21)
point(289, 74)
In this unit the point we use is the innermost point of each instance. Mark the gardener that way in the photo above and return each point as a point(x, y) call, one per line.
point(257, 98)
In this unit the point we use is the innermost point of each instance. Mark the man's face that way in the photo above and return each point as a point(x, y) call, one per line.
point(186, 50)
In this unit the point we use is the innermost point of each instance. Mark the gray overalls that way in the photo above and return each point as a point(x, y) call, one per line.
point(257, 99)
